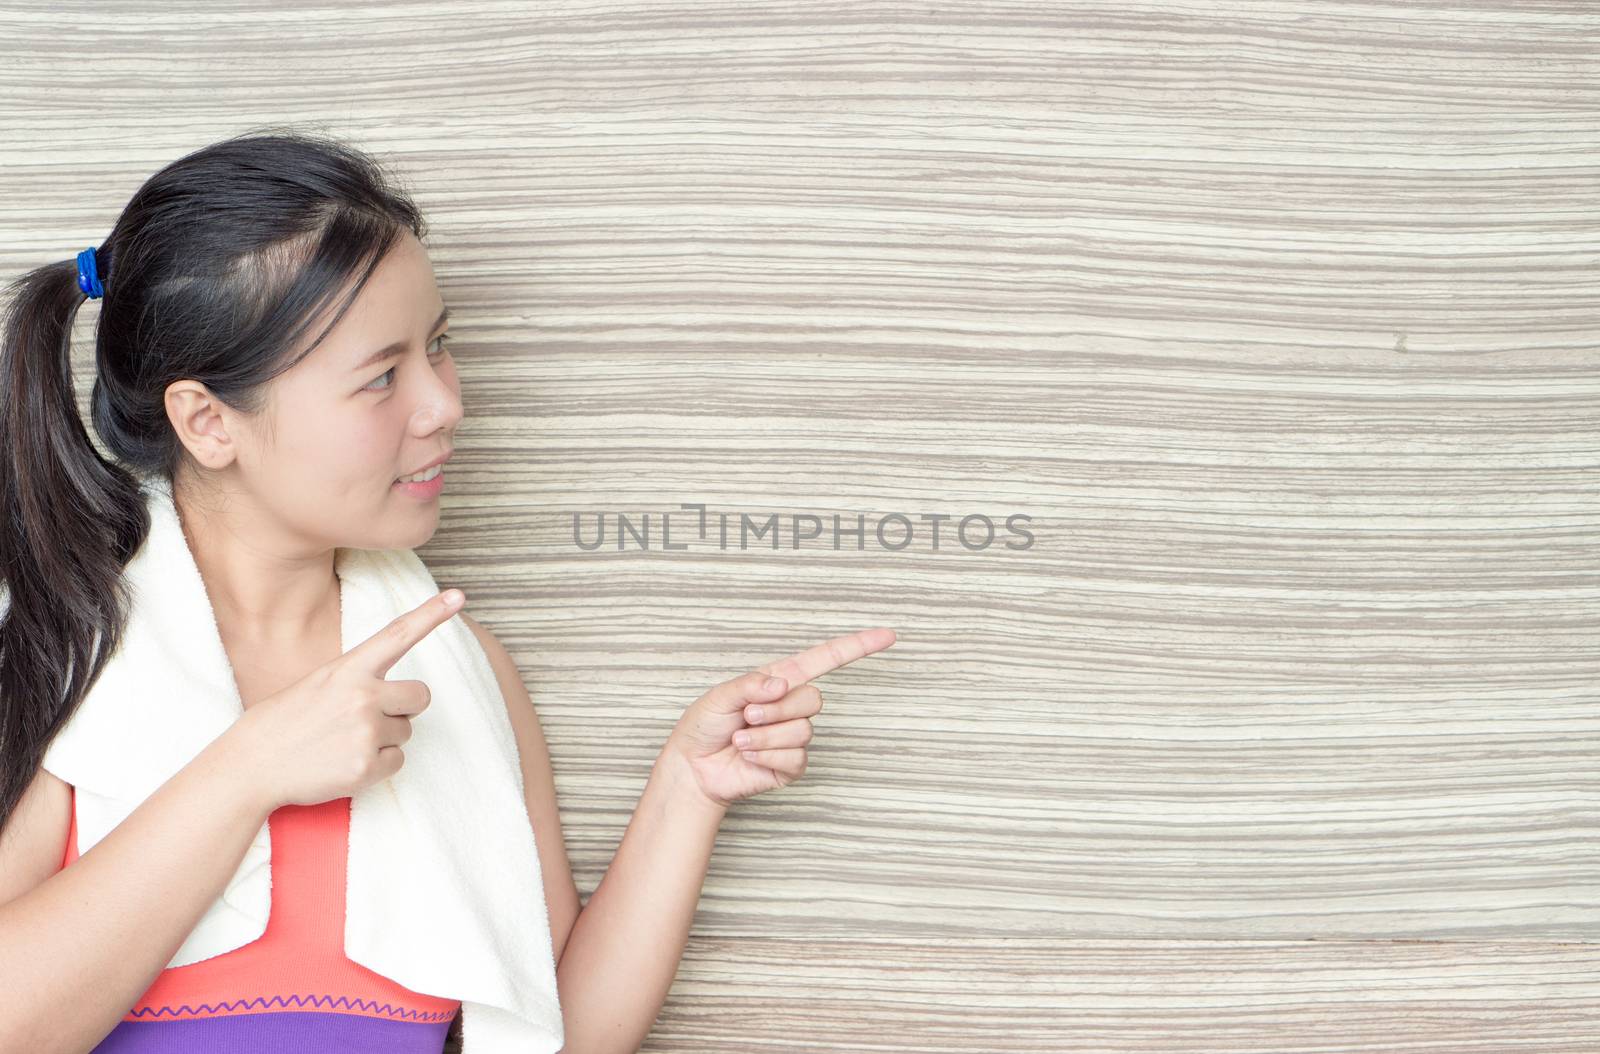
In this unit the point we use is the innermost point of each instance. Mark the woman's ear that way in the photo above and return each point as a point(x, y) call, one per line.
point(202, 423)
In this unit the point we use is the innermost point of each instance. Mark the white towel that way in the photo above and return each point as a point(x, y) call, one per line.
point(444, 889)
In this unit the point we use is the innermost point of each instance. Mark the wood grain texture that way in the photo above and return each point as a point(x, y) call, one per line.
point(1277, 320)
point(1200, 997)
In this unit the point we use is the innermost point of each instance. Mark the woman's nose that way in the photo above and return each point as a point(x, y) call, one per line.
point(440, 407)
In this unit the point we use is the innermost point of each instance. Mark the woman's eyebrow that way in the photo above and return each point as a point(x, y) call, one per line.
point(399, 345)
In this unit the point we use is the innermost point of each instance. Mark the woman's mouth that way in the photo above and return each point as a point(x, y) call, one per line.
point(424, 485)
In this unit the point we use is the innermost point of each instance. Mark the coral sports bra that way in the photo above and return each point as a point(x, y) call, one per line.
point(291, 989)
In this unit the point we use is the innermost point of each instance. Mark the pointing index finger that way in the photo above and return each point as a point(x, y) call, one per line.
point(828, 656)
point(384, 648)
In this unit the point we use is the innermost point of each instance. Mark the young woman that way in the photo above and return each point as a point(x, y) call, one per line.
point(272, 344)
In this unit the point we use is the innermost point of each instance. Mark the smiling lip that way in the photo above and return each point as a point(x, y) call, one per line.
point(441, 459)
point(428, 491)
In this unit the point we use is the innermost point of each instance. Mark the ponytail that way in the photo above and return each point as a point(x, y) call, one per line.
point(69, 522)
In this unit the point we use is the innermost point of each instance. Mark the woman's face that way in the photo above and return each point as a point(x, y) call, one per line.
point(376, 400)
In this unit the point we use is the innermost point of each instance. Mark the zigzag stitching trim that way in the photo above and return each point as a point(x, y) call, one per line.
point(219, 1009)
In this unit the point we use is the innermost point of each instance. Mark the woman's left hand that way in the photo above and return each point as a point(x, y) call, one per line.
point(773, 706)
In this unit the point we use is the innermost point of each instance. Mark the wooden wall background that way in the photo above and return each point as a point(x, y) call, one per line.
point(1277, 318)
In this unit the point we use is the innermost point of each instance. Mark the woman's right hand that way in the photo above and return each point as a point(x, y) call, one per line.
point(339, 728)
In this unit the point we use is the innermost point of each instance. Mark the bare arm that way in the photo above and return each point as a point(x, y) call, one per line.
point(625, 947)
point(79, 949)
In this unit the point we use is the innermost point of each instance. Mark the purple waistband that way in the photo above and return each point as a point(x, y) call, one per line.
point(280, 1032)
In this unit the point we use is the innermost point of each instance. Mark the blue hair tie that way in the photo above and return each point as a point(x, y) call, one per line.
point(88, 275)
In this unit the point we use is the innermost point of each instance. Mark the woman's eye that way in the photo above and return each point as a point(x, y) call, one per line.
point(386, 373)
point(440, 340)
